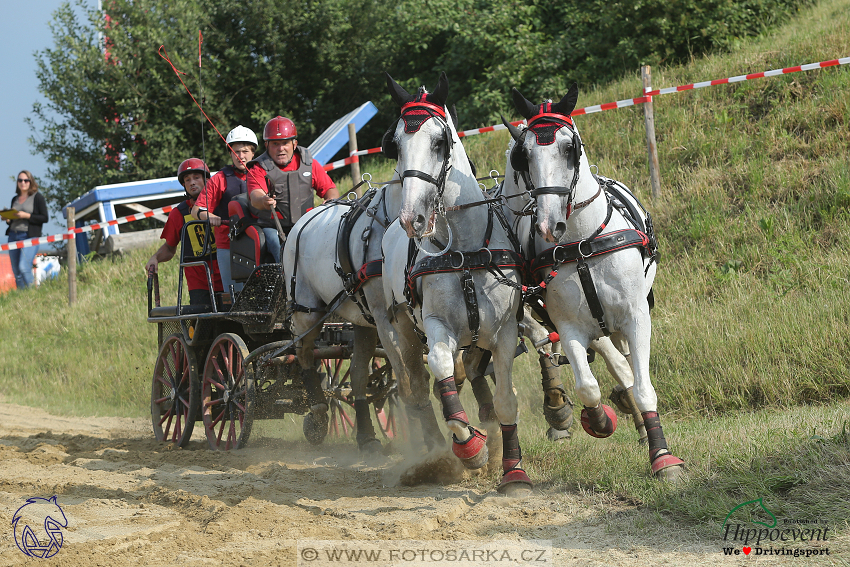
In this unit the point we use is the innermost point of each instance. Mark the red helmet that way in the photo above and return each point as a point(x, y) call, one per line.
point(191, 165)
point(280, 128)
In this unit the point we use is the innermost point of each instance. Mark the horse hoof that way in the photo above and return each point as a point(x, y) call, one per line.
point(369, 445)
point(609, 429)
point(668, 468)
point(473, 453)
point(515, 484)
point(316, 427)
point(553, 434)
point(618, 398)
point(487, 414)
point(558, 418)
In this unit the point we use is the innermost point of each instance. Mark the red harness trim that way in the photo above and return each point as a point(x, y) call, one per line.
point(545, 115)
point(414, 104)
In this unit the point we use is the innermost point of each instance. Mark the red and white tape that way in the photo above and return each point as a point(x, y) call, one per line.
point(79, 230)
point(630, 101)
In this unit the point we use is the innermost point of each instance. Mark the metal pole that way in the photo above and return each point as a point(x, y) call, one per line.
point(72, 259)
point(649, 119)
point(355, 164)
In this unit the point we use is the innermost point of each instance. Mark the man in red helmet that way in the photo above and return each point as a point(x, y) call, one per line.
point(192, 175)
point(293, 174)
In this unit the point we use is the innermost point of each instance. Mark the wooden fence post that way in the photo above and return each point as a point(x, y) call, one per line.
point(72, 259)
point(355, 165)
point(649, 119)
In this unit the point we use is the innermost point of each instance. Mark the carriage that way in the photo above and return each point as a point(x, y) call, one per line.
point(229, 363)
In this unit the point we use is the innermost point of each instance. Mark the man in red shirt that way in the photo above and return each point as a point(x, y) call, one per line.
point(224, 186)
point(293, 174)
point(192, 175)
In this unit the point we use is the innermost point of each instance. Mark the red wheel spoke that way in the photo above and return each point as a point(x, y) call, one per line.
point(221, 429)
point(212, 403)
point(167, 415)
point(160, 400)
point(240, 406)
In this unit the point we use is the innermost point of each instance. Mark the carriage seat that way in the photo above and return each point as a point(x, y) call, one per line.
point(247, 242)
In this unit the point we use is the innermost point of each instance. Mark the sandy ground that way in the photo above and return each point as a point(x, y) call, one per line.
point(130, 500)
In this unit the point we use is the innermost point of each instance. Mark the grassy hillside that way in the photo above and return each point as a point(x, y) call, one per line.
point(752, 301)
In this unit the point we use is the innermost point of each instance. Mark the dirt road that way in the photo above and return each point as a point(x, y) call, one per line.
point(130, 500)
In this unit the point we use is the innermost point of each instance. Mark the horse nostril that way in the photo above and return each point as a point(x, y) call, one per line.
point(560, 229)
point(419, 223)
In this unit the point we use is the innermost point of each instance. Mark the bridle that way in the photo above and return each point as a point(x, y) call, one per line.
point(561, 190)
point(438, 114)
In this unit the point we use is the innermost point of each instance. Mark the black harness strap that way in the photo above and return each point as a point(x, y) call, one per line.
point(611, 242)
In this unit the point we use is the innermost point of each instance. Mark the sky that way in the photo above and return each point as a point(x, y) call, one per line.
point(26, 31)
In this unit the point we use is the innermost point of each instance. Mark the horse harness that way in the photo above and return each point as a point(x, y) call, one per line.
point(598, 244)
point(352, 280)
point(494, 261)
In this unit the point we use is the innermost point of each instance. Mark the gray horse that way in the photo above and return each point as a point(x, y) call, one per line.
point(599, 266)
point(444, 259)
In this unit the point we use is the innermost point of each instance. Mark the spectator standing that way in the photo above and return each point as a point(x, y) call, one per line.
point(224, 186)
point(31, 215)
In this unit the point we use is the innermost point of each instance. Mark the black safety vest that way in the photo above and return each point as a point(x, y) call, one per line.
point(235, 186)
point(295, 188)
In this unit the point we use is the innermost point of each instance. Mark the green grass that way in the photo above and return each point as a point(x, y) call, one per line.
point(749, 355)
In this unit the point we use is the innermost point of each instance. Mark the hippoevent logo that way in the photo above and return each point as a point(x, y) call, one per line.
point(769, 536)
point(38, 527)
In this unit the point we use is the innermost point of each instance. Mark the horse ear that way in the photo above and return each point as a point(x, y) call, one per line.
point(441, 92)
point(453, 114)
point(399, 95)
point(515, 133)
point(522, 105)
point(568, 103)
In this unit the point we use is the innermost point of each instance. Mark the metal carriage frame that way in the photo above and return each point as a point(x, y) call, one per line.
point(228, 368)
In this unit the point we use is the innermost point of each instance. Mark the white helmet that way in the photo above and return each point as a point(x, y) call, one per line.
point(242, 134)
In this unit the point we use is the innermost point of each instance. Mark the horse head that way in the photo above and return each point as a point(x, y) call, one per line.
point(549, 155)
point(421, 139)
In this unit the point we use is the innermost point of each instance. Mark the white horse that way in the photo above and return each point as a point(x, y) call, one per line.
point(599, 267)
point(557, 408)
point(310, 259)
point(449, 293)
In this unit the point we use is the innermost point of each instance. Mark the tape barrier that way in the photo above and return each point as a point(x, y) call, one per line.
point(647, 97)
point(355, 156)
point(80, 230)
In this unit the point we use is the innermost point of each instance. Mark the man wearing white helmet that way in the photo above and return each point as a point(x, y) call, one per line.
point(224, 186)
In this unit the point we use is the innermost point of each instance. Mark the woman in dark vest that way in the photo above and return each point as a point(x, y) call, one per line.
point(224, 186)
point(31, 215)
point(294, 175)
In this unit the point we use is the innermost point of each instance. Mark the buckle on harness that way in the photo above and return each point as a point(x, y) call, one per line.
point(582, 254)
point(462, 260)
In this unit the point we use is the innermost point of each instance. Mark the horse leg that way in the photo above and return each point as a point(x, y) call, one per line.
point(404, 349)
point(664, 464)
point(557, 406)
point(614, 351)
point(475, 361)
point(468, 443)
point(365, 341)
point(515, 481)
point(597, 419)
point(316, 421)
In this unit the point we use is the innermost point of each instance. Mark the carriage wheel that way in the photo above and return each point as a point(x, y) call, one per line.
point(227, 394)
point(391, 417)
point(175, 393)
point(341, 405)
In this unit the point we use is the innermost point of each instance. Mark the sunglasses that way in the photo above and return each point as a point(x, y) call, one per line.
point(23, 180)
